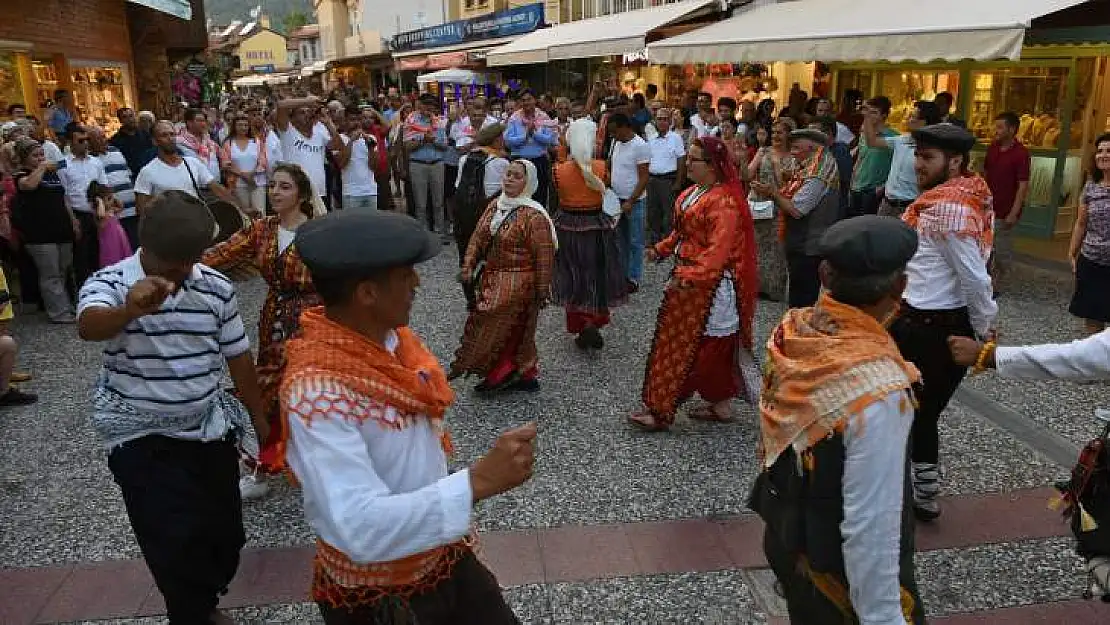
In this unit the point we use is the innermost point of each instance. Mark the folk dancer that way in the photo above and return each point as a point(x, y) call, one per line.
point(835, 416)
point(589, 268)
point(949, 290)
point(168, 324)
point(703, 336)
point(267, 247)
point(509, 263)
point(364, 402)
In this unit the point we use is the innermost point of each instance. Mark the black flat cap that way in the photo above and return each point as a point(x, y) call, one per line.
point(944, 136)
point(869, 245)
point(810, 133)
point(349, 243)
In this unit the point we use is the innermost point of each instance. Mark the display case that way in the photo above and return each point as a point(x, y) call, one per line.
point(46, 81)
point(11, 88)
point(904, 87)
point(1035, 93)
point(99, 90)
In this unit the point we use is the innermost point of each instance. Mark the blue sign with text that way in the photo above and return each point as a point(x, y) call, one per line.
point(518, 21)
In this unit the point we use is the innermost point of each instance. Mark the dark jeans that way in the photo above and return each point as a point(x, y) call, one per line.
point(922, 337)
point(470, 596)
point(183, 501)
point(863, 202)
point(131, 228)
point(805, 281)
point(543, 174)
point(86, 251)
point(660, 207)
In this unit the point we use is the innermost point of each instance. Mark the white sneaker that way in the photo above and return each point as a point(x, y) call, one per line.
point(253, 487)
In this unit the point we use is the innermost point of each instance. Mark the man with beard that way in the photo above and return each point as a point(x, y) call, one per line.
point(170, 170)
point(949, 289)
point(134, 142)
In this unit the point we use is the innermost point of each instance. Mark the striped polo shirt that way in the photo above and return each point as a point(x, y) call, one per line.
point(170, 361)
point(119, 179)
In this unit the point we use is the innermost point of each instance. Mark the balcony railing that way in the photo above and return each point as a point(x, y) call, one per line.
point(585, 9)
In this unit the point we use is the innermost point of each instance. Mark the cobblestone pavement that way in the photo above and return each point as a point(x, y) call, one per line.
point(616, 526)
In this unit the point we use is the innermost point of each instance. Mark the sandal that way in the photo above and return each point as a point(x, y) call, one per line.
point(646, 422)
point(707, 413)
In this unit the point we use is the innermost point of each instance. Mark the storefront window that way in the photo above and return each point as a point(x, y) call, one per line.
point(857, 79)
point(1035, 94)
point(11, 90)
point(99, 90)
point(905, 87)
point(46, 81)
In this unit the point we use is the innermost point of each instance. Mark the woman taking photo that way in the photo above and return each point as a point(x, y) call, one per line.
point(772, 165)
point(267, 245)
point(509, 262)
point(1090, 245)
point(47, 228)
point(245, 161)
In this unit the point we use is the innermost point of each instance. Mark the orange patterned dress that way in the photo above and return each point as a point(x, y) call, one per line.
point(290, 292)
point(500, 332)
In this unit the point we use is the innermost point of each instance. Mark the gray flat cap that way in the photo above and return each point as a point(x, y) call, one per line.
point(810, 133)
point(348, 243)
point(945, 137)
point(868, 245)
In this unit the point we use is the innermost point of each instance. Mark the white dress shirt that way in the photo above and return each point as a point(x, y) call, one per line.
point(665, 152)
point(1086, 359)
point(463, 131)
point(872, 488)
point(949, 272)
point(376, 492)
point(76, 174)
point(701, 129)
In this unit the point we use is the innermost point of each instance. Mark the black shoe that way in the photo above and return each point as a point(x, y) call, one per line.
point(632, 287)
point(16, 397)
point(926, 515)
point(527, 386)
point(582, 340)
point(591, 337)
point(508, 382)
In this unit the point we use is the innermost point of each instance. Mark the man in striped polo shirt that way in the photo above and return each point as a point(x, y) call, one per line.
point(119, 181)
point(168, 324)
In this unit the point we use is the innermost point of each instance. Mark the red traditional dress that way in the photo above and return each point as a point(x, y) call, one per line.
point(705, 321)
point(500, 334)
point(290, 292)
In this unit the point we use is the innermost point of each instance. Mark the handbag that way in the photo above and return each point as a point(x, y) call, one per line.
point(761, 209)
point(611, 204)
point(471, 289)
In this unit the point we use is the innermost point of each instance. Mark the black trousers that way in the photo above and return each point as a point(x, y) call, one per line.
point(863, 202)
point(86, 250)
point(922, 337)
point(543, 175)
point(805, 281)
point(471, 596)
point(183, 501)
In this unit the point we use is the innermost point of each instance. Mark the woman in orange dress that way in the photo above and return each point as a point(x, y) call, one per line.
point(703, 336)
point(267, 245)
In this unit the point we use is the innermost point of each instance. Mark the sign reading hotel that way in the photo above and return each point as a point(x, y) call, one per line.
point(518, 21)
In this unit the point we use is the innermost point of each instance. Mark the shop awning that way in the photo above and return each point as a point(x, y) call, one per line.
point(615, 34)
point(454, 77)
point(254, 80)
point(468, 46)
point(176, 8)
point(862, 30)
point(316, 68)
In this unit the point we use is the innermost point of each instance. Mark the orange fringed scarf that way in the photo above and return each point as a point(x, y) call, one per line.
point(825, 365)
point(961, 206)
point(821, 166)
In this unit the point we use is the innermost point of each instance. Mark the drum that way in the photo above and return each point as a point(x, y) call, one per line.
point(230, 220)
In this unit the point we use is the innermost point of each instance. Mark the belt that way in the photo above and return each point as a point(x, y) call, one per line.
point(425, 162)
point(898, 203)
point(670, 174)
point(948, 317)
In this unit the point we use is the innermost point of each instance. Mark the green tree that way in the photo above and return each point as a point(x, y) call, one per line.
point(294, 20)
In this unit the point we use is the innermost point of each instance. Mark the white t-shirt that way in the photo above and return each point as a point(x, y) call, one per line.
point(358, 178)
point(625, 159)
point(308, 152)
point(157, 177)
point(246, 160)
point(495, 172)
point(51, 151)
point(665, 152)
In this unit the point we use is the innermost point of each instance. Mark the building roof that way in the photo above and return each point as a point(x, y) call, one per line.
point(308, 31)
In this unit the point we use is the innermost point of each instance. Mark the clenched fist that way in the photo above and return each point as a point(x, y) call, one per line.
point(146, 296)
point(507, 465)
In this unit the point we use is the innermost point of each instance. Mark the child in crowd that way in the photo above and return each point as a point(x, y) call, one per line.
point(114, 245)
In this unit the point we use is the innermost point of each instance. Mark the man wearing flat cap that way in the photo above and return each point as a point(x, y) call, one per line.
point(949, 290)
point(810, 201)
point(363, 401)
point(835, 418)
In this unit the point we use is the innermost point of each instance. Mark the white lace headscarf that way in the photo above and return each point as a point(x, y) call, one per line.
point(580, 140)
point(506, 204)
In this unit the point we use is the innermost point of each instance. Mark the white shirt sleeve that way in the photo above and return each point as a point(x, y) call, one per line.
point(1087, 359)
point(677, 145)
point(643, 153)
point(873, 490)
point(142, 182)
point(200, 171)
point(352, 505)
point(495, 171)
point(458, 174)
point(963, 255)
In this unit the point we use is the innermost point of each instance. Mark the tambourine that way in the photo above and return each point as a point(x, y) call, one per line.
point(230, 220)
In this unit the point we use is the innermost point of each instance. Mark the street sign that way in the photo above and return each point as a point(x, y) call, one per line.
point(263, 69)
point(516, 21)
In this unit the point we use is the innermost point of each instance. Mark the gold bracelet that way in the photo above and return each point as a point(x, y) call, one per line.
point(984, 353)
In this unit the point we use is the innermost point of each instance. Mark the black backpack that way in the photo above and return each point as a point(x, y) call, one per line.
point(470, 195)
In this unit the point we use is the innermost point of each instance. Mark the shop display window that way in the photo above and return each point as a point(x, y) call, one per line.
point(99, 90)
point(858, 79)
point(1036, 94)
point(11, 90)
point(905, 87)
point(46, 81)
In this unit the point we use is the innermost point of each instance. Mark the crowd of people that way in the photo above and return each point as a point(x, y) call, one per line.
point(881, 244)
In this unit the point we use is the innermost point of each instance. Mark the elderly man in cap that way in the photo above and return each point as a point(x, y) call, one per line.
point(810, 202)
point(364, 403)
point(835, 419)
point(949, 291)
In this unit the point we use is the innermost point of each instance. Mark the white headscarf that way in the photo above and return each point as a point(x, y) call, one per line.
point(506, 204)
point(580, 139)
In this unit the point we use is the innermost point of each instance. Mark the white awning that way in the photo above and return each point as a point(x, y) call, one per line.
point(316, 68)
point(254, 80)
point(459, 47)
point(176, 8)
point(615, 34)
point(454, 77)
point(862, 30)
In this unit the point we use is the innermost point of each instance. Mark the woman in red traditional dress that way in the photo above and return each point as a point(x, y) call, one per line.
point(510, 260)
point(703, 335)
point(267, 245)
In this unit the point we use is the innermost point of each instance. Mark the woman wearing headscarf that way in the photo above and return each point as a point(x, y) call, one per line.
point(703, 335)
point(589, 268)
point(509, 263)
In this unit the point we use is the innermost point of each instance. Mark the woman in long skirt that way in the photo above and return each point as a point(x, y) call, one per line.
point(774, 165)
point(509, 262)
